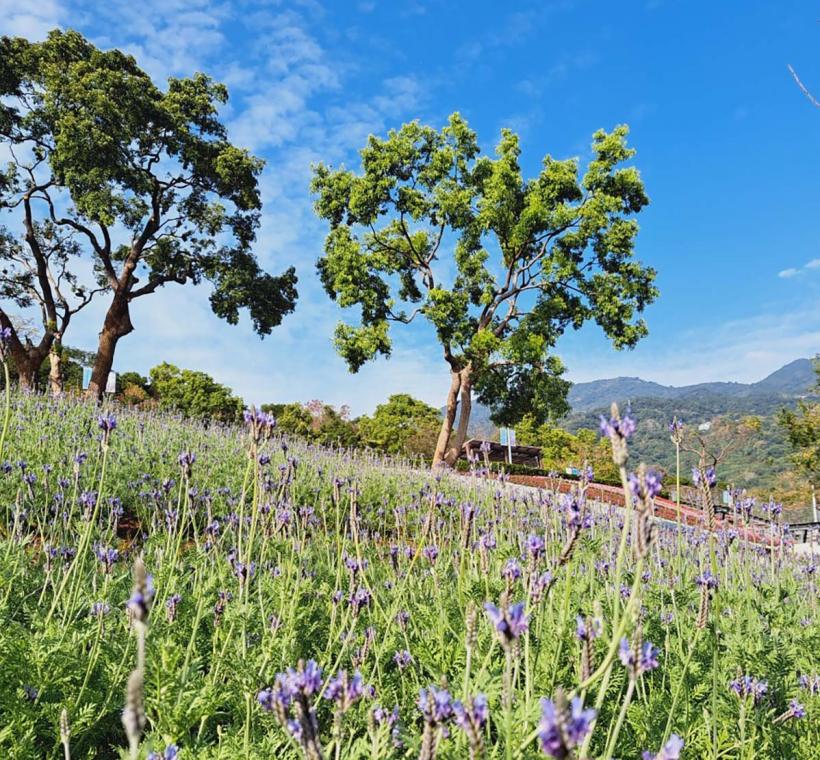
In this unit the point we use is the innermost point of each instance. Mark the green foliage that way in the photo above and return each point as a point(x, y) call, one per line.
point(561, 449)
point(195, 394)
point(402, 425)
point(532, 257)
point(316, 421)
point(331, 427)
point(293, 418)
point(755, 464)
point(125, 379)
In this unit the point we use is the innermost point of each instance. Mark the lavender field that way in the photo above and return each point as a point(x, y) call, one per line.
point(306, 602)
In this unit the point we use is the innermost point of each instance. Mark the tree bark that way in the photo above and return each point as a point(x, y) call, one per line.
point(117, 324)
point(55, 375)
point(459, 395)
point(27, 358)
point(27, 366)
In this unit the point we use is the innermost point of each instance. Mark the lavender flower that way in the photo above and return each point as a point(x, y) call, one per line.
point(645, 488)
point(640, 661)
point(345, 691)
point(708, 580)
point(671, 750)
point(385, 718)
point(403, 659)
point(535, 546)
point(749, 686)
point(430, 554)
point(435, 705)
point(107, 423)
point(621, 428)
point(171, 606)
point(586, 629)
point(563, 727)
point(810, 683)
point(98, 609)
point(509, 622)
point(107, 557)
point(707, 477)
point(169, 753)
point(471, 718)
point(476, 712)
point(511, 570)
point(307, 679)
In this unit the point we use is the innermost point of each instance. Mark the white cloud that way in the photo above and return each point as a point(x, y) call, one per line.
point(742, 350)
point(794, 271)
point(28, 19)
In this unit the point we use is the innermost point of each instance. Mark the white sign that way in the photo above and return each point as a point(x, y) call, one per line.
point(86, 377)
point(111, 385)
point(507, 436)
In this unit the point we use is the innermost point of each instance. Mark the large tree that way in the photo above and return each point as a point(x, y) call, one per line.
point(499, 265)
point(145, 178)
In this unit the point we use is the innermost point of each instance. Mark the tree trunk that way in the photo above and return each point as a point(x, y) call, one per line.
point(27, 366)
point(55, 375)
point(459, 394)
point(27, 357)
point(116, 325)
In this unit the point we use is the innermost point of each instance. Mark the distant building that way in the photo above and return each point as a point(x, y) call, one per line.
point(478, 449)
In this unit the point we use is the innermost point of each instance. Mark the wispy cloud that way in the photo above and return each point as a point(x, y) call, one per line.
point(743, 350)
point(30, 20)
point(795, 271)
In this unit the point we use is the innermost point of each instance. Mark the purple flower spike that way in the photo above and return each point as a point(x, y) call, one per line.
point(615, 428)
point(535, 546)
point(107, 422)
point(435, 705)
point(309, 680)
point(344, 691)
point(562, 727)
point(509, 623)
point(671, 750)
point(749, 686)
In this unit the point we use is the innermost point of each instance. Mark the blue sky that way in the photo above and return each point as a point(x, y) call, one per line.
point(727, 146)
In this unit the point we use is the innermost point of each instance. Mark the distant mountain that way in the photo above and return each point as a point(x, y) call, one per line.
point(795, 379)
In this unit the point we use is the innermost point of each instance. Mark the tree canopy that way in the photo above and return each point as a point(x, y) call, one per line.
point(500, 266)
point(402, 425)
point(193, 393)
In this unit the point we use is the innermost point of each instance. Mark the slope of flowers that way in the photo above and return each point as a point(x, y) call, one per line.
point(173, 590)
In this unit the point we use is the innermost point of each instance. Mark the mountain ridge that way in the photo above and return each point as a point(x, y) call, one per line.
point(793, 379)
